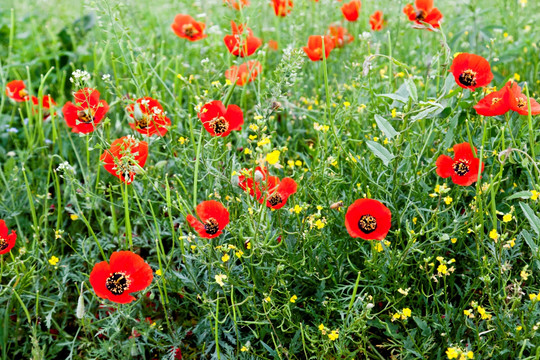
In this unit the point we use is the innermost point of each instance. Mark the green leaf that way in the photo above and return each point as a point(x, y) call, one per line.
point(380, 151)
point(529, 240)
point(531, 216)
point(520, 195)
point(385, 126)
point(411, 88)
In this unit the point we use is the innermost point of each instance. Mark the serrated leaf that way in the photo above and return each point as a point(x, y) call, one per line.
point(380, 151)
point(385, 127)
point(531, 216)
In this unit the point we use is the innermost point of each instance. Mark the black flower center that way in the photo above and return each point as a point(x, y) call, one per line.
point(367, 223)
point(3, 244)
point(85, 116)
point(124, 168)
point(143, 122)
point(468, 78)
point(461, 167)
point(275, 199)
point(211, 226)
point(420, 15)
point(189, 30)
point(219, 125)
point(521, 103)
point(495, 100)
point(117, 283)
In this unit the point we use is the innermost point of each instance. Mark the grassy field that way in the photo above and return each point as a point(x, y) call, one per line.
point(110, 260)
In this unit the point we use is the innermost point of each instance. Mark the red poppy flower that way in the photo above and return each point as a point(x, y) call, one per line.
point(314, 48)
point(273, 45)
point(214, 217)
point(186, 27)
point(266, 188)
point(282, 7)
point(424, 12)
point(471, 71)
point(125, 158)
point(376, 21)
point(219, 121)
point(245, 73)
point(463, 168)
point(351, 10)
point(7, 241)
point(47, 102)
point(279, 191)
point(339, 36)
point(16, 90)
point(368, 219)
point(242, 42)
point(237, 4)
point(125, 273)
point(149, 117)
point(519, 103)
point(86, 113)
point(496, 103)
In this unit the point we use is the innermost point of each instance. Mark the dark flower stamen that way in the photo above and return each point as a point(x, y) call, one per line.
point(461, 167)
point(3, 244)
point(367, 223)
point(211, 226)
point(85, 116)
point(219, 125)
point(189, 30)
point(117, 283)
point(275, 199)
point(468, 78)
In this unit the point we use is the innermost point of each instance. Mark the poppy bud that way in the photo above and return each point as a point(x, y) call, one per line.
point(276, 105)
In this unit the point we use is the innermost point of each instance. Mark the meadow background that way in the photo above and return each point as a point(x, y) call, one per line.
point(302, 278)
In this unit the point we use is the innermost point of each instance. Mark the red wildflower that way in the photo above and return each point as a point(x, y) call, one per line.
point(16, 90)
point(273, 45)
point(125, 273)
point(7, 241)
point(496, 103)
point(351, 10)
point(125, 158)
point(519, 103)
point(266, 188)
point(282, 7)
point(471, 71)
point(186, 27)
point(214, 217)
point(86, 113)
point(47, 102)
point(237, 4)
point(376, 21)
point(242, 42)
point(178, 354)
point(219, 121)
point(368, 219)
point(339, 36)
point(424, 12)
point(149, 117)
point(245, 73)
point(314, 48)
point(463, 168)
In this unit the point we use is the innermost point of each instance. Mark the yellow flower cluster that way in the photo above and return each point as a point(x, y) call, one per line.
point(403, 314)
point(332, 335)
point(459, 354)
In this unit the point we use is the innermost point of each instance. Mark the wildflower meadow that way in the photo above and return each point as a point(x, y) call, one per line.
point(269, 179)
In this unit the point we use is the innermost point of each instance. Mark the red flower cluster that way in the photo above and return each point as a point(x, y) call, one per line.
point(424, 12)
point(213, 219)
point(339, 35)
point(220, 121)
point(242, 42)
point(186, 27)
point(266, 188)
point(16, 90)
point(149, 117)
point(125, 158)
point(125, 273)
point(463, 168)
point(377, 21)
point(368, 219)
point(237, 4)
point(508, 98)
point(7, 239)
point(245, 73)
point(471, 71)
point(87, 111)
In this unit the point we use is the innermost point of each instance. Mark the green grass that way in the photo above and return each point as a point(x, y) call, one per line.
point(389, 117)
